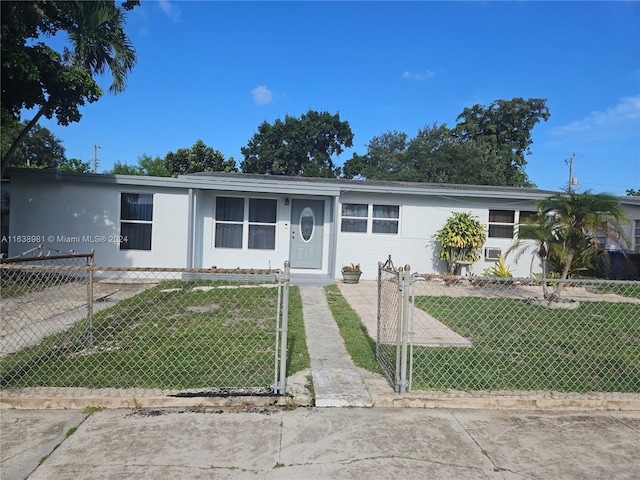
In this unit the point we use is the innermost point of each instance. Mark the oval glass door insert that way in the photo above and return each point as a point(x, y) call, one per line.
point(307, 224)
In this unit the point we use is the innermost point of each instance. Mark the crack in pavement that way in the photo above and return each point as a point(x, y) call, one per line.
point(485, 452)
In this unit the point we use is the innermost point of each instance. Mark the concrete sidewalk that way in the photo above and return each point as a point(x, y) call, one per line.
point(336, 381)
point(196, 441)
point(334, 443)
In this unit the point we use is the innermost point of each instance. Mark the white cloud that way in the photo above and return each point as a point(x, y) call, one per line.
point(262, 95)
point(623, 116)
point(418, 76)
point(169, 10)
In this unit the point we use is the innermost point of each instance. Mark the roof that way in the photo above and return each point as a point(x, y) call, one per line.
point(247, 182)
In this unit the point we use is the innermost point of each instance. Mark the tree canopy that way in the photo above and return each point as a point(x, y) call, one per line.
point(298, 146)
point(198, 158)
point(34, 76)
point(487, 147)
point(39, 148)
point(146, 165)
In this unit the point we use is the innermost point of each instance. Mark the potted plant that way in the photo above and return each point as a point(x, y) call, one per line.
point(460, 240)
point(351, 273)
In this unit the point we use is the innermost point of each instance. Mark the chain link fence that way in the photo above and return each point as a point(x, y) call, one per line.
point(68, 323)
point(493, 334)
point(393, 333)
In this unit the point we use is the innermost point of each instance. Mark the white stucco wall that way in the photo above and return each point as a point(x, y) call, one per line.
point(420, 218)
point(207, 255)
point(83, 216)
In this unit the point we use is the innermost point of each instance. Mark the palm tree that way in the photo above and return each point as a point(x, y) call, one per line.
point(536, 233)
point(98, 43)
point(567, 223)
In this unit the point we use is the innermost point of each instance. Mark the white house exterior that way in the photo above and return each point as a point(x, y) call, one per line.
point(255, 221)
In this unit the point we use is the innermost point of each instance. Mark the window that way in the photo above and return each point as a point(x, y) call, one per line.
point(136, 218)
point(257, 214)
point(637, 235)
point(526, 216)
point(385, 218)
point(501, 223)
point(229, 222)
point(262, 223)
point(356, 217)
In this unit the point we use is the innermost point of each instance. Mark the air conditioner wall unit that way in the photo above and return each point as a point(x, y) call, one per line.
point(492, 253)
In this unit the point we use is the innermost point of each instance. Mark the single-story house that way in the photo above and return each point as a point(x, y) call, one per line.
point(255, 221)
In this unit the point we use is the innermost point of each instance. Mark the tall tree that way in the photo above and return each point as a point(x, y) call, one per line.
point(146, 165)
point(198, 158)
point(302, 146)
point(39, 148)
point(434, 155)
point(506, 126)
point(386, 159)
point(36, 76)
point(74, 165)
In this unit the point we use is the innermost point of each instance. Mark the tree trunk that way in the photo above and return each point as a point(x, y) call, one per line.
point(565, 273)
point(23, 133)
point(545, 288)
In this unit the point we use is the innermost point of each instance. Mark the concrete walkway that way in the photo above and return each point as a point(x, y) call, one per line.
point(427, 330)
point(326, 443)
point(336, 381)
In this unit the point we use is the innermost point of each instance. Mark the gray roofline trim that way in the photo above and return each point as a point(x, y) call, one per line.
point(242, 182)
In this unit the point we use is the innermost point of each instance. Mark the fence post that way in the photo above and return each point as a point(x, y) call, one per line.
point(398, 381)
point(282, 384)
point(378, 311)
point(404, 327)
point(90, 301)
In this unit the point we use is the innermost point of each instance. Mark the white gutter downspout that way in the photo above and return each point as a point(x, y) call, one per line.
point(190, 227)
point(334, 238)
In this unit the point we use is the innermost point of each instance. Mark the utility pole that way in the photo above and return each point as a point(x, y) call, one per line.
point(95, 158)
point(572, 180)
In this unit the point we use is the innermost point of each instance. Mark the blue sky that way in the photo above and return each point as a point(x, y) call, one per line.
point(216, 70)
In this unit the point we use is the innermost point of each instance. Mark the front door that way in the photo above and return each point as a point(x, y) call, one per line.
point(307, 220)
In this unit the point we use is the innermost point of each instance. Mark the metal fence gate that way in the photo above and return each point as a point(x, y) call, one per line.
point(69, 323)
point(495, 334)
point(394, 330)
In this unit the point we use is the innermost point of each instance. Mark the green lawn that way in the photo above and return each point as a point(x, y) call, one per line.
point(223, 337)
point(359, 344)
point(517, 346)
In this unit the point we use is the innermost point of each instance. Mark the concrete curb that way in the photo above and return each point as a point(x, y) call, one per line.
point(299, 395)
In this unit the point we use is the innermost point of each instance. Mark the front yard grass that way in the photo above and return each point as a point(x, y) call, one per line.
point(359, 344)
point(212, 338)
point(517, 346)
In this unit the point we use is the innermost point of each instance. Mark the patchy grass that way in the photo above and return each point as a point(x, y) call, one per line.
point(210, 338)
point(517, 346)
point(14, 283)
point(359, 344)
point(625, 289)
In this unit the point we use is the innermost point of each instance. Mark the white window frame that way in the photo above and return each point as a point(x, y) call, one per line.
point(637, 235)
point(370, 219)
point(122, 236)
point(245, 223)
point(501, 224)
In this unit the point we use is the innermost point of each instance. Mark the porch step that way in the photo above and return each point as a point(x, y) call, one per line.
point(336, 380)
point(311, 279)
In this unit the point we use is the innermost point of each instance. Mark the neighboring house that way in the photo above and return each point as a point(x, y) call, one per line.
point(256, 221)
